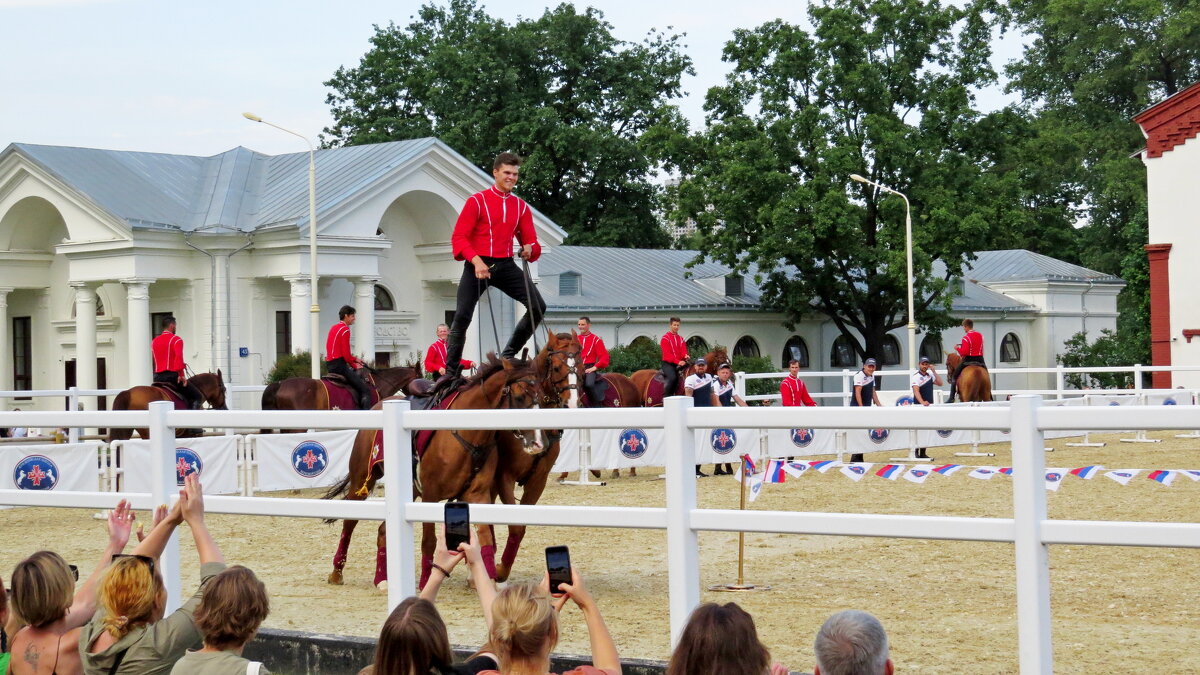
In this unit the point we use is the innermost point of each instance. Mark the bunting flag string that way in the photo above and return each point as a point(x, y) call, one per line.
point(777, 471)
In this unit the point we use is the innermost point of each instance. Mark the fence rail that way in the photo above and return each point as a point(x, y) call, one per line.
point(1030, 530)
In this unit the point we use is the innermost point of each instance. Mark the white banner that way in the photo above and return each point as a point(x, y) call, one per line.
point(62, 467)
point(800, 442)
point(1179, 397)
point(297, 461)
point(215, 458)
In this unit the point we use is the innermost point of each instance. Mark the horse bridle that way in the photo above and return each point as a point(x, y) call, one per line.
point(551, 400)
point(509, 398)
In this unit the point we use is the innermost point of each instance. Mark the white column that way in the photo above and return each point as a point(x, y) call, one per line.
point(364, 323)
point(301, 300)
point(137, 317)
point(6, 351)
point(85, 340)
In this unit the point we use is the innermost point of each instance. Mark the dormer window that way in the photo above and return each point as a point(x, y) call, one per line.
point(570, 283)
point(735, 285)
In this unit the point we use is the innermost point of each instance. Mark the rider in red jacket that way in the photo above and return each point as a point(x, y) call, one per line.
point(341, 360)
point(674, 357)
point(971, 351)
point(169, 366)
point(595, 358)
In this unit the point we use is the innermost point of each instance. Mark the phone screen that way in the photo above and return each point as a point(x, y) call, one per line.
point(458, 525)
point(558, 564)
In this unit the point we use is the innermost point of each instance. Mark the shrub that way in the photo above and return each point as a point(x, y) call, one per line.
point(292, 365)
point(633, 357)
point(1108, 350)
point(757, 364)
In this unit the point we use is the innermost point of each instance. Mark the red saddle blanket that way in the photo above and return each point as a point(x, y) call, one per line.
point(654, 390)
point(343, 397)
point(421, 437)
point(612, 399)
point(176, 398)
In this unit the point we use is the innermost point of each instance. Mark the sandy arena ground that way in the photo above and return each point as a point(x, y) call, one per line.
point(949, 607)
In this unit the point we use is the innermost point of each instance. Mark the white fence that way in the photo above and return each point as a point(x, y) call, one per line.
point(1030, 530)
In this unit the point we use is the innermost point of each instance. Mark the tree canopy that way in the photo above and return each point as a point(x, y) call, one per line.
point(586, 110)
point(882, 89)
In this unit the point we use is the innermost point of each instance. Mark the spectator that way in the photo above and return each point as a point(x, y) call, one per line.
point(18, 432)
point(852, 643)
point(44, 597)
point(525, 629)
point(414, 637)
point(3, 628)
point(232, 608)
point(128, 635)
point(721, 640)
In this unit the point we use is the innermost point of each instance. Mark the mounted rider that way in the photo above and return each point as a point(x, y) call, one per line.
point(595, 358)
point(341, 361)
point(674, 357)
point(169, 366)
point(971, 351)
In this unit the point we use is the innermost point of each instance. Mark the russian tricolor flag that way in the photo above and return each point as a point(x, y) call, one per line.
point(1086, 472)
point(775, 472)
point(824, 465)
point(890, 471)
point(748, 465)
point(1006, 470)
point(947, 469)
point(1162, 476)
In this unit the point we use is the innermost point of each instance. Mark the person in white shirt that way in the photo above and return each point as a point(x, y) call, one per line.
point(727, 397)
point(701, 386)
point(923, 382)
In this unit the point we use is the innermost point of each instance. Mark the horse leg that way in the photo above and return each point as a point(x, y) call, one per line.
point(515, 532)
point(428, 543)
point(381, 558)
point(339, 558)
point(480, 492)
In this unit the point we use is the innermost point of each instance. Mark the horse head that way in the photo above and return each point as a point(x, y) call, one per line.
point(715, 358)
point(212, 387)
point(952, 362)
point(522, 390)
point(560, 365)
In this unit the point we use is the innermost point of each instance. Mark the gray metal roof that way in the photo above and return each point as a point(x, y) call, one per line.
point(620, 278)
point(1022, 265)
point(239, 189)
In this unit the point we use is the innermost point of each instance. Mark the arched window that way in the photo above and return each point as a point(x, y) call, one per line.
point(746, 346)
point(842, 355)
point(891, 350)
point(383, 300)
point(642, 342)
point(1010, 349)
point(99, 308)
point(931, 348)
point(697, 345)
point(795, 348)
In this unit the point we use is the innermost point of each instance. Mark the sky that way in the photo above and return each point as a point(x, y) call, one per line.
point(174, 76)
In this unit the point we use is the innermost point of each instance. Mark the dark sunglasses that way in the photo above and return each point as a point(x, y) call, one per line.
point(74, 571)
point(144, 558)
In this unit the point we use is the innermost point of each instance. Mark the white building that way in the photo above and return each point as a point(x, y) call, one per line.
point(1172, 159)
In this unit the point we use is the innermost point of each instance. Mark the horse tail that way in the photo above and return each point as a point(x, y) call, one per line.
point(339, 490)
point(268, 396)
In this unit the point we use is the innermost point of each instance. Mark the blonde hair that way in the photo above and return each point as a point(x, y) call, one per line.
point(232, 608)
point(523, 620)
point(42, 587)
point(129, 593)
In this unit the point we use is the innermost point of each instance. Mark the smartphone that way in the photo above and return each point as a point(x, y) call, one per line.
point(558, 564)
point(458, 525)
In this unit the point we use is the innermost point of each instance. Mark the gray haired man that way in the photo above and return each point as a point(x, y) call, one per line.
point(852, 643)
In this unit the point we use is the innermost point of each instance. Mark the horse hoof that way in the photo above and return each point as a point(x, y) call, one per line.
point(335, 577)
point(502, 573)
point(382, 586)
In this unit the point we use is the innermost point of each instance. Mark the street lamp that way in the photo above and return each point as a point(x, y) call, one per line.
point(912, 323)
point(315, 310)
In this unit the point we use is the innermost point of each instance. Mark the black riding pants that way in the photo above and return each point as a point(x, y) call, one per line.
point(595, 398)
point(670, 373)
point(509, 278)
point(187, 390)
point(342, 368)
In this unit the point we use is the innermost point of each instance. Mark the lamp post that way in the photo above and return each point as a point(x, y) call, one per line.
point(912, 322)
point(315, 308)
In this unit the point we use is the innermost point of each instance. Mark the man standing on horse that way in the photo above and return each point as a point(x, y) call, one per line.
point(341, 361)
point(595, 358)
point(435, 356)
point(971, 351)
point(482, 238)
point(169, 367)
point(674, 357)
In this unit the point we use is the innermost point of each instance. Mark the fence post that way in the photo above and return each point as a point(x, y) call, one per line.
point(398, 492)
point(1033, 563)
point(683, 547)
point(1137, 378)
point(73, 405)
point(739, 384)
point(1060, 380)
point(845, 387)
point(164, 484)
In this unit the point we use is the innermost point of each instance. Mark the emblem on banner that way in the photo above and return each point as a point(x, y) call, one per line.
point(878, 435)
point(310, 459)
point(35, 472)
point(802, 438)
point(632, 443)
point(905, 400)
point(1114, 403)
point(1053, 477)
point(945, 433)
point(919, 473)
point(187, 462)
point(857, 468)
point(1169, 401)
point(723, 440)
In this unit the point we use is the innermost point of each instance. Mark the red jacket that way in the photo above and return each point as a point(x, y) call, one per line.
point(487, 224)
point(971, 345)
point(337, 345)
point(794, 392)
point(593, 350)
point(168, 352)
point(674, 347)
point(435, 357)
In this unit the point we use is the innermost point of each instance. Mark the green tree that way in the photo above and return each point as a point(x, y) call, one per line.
point(292, 365)
point(1107, 350)
point(881, 89)
point(1090, 66)
point(640, 355)
point(589, 112)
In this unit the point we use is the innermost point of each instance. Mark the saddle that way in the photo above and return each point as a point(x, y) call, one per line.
point(336, 379)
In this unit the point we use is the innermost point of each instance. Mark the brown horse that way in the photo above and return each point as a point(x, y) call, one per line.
point(973, 384)
point(649, 382)
point(457, 465)
point(555, 364)
point(210, 385)
point(303, 393)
